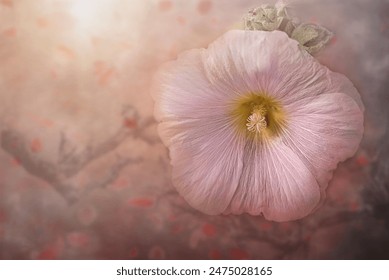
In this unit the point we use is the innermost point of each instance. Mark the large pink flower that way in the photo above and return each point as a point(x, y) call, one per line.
point(255, 124)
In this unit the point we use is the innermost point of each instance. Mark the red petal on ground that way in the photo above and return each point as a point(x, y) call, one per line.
point(204, 6)
point(36, 145)
point(107, 76)
point(10, 32)
point(141, 202)
point(214, 254)
point(78, 239)
point(209, 230)
point(362, 161)
point(134, 252)
point(42, 22)
point(165, 5)
point(66, 51)
point(130, 123)
point(52, 252)
point(238, 254)
point(8, 3)
point(175, 229)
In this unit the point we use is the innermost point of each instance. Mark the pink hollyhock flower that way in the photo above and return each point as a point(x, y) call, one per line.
point(255, 124)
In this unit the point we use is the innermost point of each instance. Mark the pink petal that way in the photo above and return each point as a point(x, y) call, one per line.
point(192, 97)
point(239, 62)
point(340, 83)
point(275, 182)
point(230, 64)
point(207, 162)
point(206, 153)
point(323, 131)
point(182, 91)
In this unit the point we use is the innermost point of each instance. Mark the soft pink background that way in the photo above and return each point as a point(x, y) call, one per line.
point(83, 173)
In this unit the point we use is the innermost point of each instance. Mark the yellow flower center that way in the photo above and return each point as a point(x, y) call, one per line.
point(258, 115)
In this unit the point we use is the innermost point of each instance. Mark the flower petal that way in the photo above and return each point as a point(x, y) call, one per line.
point(340, 83)
point(323, 131)
point(205, 150)
point(274, 182)
point(181, 90)
point(237, 62)
point(206, 160)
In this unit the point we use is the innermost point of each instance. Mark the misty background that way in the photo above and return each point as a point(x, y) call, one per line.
point(83, 173)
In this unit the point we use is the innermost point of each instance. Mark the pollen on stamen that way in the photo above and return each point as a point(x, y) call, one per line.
point(256, 122)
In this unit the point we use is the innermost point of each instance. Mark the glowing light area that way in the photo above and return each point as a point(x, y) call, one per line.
point(105, 18)
point(91, 14)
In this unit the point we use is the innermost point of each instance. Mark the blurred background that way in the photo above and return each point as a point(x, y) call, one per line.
point(83, 173)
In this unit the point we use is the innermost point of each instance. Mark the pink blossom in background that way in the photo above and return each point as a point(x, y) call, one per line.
point(255, 124)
